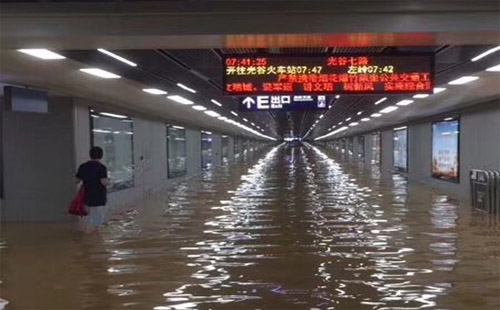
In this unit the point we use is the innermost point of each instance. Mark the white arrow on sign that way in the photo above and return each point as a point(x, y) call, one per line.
point(249, 101)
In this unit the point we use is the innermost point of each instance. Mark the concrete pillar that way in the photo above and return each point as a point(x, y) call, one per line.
point(386, 151)
point(216, 149)
point(368, 149)
point(193, 151)
point(39, 166)
point(230, 155)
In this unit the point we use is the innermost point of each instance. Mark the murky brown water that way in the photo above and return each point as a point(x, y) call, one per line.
point(294, 230)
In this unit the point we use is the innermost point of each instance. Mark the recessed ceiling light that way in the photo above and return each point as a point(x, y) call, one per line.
point(380, 100)
point(222, 118)
point(359, 113)
point(41, 53)
point(400, 128)
point(212, 113)
point(420, 96)
point(113, 115)
point(100, 73)
point(216, 102)
point(189, 89)
point(337, 96)
point(448, 119)
point(321, 116)
point(245, 119)
point(177, 127)
point(494, 68)
point(340, 123)
point(376, 115)
point(405, 102)
point(438, 90)
point(366, 119)
point(252, 124)
point(348, 119)
point(463, 80)
point(389, 109)
point(354, 124)
point(199, 108)
point(154, 91)
point(234, 113)
point(484, 54)
point(180, 99)
point(117, 57)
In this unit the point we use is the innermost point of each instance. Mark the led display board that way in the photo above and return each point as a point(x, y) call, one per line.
point(445, 154)
point(326, 74)
point(400, 149)
point(285, 103)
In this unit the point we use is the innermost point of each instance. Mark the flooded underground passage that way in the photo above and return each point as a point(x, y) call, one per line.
point(249, 155)
point(291, 227)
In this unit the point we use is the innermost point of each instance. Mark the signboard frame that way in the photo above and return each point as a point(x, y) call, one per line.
point(434, 175)
point(400, 169)
point(431, 56)
point(294, 105)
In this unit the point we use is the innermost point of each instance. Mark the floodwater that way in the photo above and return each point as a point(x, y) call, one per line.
point(291, 228)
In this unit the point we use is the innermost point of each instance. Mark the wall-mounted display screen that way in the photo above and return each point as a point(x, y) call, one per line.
point(327, 74)
point(401, 149)
point(445, 150)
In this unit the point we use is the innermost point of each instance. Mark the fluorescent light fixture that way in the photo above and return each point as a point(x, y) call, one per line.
point(463, 80)
point(117, 57)
point(199, 108)
point(438, 90)
point(212, 113)
point(207, 132)
point(321, 116)
point(180, 99)
point(330, 133)
point(245, 120)
point(400, 128)
point(380, 100)
point(420, 96)
point(41, 53)
point(234, 113)
point(101, 131)
point(186, 88)
point(222, 118)
point(376, 115)
point(216, 102)
point(113, 115)
point(484, 54)
point(100, 73)
point(340, 123)
point(354, 124)
point(405, 102)
point(177, 127)
point(389, 109)
point(337, 96)
point(252, 124)
point(154, 91)
point(448, 119)
point(494, 69)
point(359, 113)
point(348, 119)
point(366, 119)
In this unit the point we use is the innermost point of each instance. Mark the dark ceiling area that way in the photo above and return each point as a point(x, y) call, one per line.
point(201, 69)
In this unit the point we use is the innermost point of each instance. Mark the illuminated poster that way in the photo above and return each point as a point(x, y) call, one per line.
point(375, 144)
point(400, 149)
point(445, 163)
point(327, 74)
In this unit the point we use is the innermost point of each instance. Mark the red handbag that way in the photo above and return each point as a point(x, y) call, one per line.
point(77, 206)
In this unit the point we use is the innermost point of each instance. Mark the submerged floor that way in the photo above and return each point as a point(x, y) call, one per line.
point(291, 229)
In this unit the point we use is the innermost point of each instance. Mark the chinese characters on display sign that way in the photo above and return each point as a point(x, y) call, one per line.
point(286, 103)
point(350, 74)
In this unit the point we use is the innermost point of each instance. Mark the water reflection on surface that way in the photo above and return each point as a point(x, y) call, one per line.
point(290, 229)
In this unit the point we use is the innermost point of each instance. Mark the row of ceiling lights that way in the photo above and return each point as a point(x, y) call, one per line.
point(50, 55)
point(405, 102)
